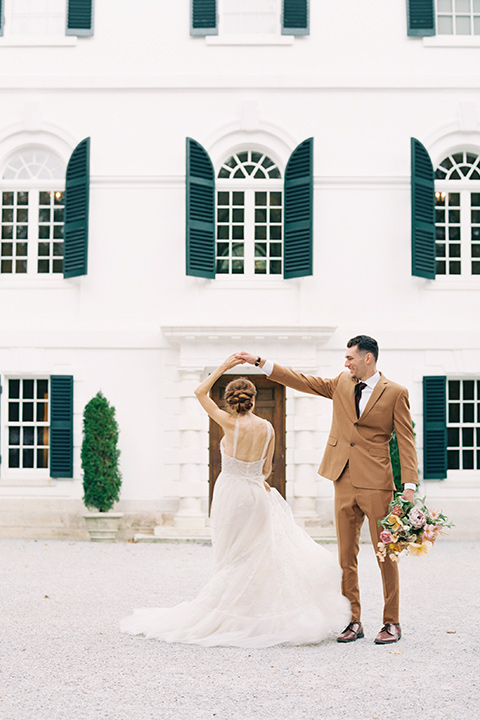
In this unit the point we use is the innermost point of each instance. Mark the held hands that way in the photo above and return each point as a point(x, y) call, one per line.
point(245, 357)
point(232, 361)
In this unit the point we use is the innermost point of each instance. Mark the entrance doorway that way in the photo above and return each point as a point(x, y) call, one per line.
point(269, 404)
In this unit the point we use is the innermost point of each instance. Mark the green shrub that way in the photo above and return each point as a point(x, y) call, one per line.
point(101, 474)
point(395, 458)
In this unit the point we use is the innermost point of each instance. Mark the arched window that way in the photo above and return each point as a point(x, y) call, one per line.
point(33, 184)
point(249, 216)
point(457, 214)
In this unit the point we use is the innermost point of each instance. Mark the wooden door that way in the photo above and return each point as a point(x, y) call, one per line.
point(269, 404)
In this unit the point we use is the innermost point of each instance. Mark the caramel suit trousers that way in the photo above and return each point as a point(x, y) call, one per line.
point(352, 504)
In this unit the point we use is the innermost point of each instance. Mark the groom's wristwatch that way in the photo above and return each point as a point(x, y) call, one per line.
point(257, 362)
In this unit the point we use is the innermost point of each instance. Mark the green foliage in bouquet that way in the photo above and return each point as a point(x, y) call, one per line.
point(100, 456)
point(395, 458)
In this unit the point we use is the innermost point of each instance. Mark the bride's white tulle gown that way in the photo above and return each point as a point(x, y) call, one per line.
point(271, 584)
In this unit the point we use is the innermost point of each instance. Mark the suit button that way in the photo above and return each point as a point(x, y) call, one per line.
point(356, 424)
point(352, 444)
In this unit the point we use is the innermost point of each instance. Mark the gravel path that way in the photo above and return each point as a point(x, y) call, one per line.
point(62, 657)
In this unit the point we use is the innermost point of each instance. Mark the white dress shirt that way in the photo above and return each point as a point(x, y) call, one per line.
point(267, 369)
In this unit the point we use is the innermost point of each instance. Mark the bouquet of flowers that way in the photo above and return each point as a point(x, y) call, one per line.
point(409, 528)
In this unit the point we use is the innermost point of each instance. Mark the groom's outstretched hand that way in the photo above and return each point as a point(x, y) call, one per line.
point(247, 357)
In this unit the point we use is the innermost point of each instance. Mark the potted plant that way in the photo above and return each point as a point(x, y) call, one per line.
point(100, 463)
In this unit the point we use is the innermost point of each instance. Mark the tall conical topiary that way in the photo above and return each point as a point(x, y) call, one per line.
point(101, 474)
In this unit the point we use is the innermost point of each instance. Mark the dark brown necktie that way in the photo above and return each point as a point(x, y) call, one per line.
point(358, 394)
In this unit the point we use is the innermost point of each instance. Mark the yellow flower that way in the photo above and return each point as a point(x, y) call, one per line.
point(394, 522)
point(417, 549)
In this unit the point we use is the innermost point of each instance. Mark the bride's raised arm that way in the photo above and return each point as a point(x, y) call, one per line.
point(211, 407)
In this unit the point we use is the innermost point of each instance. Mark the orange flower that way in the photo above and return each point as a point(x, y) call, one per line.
point(417, 549)
point(394, 522)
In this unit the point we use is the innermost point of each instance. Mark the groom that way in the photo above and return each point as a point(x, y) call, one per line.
point(366, 409)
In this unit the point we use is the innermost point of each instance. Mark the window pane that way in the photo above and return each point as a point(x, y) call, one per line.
point(453, 459)
point(13, 458)
point(14, 436)
point(453, 437)
point(454, 412)
point(28, 389)
point(445, 5)
point(468, 413)
point(467, 459)
point(260, 232)
point(28, 458)
point(42, 458)
point(462, 6)
point(42, 436)
point(14, 388)
point(28, 435)
point(468, 389)
point(463, 25)
point(467, 437)
point(27, 412)
point(445, 27)
point(13, 412)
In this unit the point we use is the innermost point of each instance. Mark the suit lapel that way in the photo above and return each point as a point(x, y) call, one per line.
point(375, 396)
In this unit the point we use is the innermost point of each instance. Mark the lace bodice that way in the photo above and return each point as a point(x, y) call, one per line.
point(252, 471)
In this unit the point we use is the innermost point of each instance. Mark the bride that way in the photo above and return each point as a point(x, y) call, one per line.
point(272, 583)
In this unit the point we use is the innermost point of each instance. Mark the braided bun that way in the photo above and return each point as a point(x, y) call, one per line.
point(240, 395)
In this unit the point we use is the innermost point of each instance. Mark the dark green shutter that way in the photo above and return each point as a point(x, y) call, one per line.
point(434, 427)
point(204, 17)
point(2, 17)
point(77, 186)
point(80, 17)
point(61, 426)
point(295, 19)
point(200, 212)
point(421, 17)
point(298, 212)
point(423, 212)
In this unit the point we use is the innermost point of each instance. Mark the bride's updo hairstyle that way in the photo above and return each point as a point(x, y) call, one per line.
point(239, 395)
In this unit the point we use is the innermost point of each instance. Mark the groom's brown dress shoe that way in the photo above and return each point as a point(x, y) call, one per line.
point(353, 631)
point(388, 634)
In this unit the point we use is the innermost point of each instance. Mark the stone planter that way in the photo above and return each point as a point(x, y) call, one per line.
point(103, 527)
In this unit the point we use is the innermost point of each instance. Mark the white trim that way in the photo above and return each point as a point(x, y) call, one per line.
point(452, 41)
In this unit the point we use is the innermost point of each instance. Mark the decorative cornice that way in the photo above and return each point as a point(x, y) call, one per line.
point(180, 335)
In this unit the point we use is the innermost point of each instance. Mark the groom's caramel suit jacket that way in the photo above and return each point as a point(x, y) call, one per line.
point(362, 442)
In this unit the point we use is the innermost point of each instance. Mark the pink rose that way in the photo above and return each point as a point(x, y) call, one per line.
point(386, 536)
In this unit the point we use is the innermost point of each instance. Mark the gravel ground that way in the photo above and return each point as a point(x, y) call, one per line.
point(62, 657)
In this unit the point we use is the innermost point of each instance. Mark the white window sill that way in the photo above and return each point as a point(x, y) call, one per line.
point(467, 284)
point(460, 41)
point(39, 41)
point(29, 480)
point(249, 39)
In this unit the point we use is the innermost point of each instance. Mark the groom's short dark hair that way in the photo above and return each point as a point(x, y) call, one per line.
point(365, 344)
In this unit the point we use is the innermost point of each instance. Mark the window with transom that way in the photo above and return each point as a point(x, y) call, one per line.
point(463, 424)
point(457, 215)
point(458, 17)
point(32, 214)
point(28, 428)
point(249, 216)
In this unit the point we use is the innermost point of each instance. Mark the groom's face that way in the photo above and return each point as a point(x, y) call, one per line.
point(356, 362)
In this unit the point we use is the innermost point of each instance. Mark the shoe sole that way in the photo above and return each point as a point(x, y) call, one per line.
point(387, 642)
point(360, 635)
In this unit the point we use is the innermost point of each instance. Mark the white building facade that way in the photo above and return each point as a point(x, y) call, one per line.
point(197, 178)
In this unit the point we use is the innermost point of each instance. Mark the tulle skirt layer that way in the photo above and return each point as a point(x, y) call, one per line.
point(271, 584)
